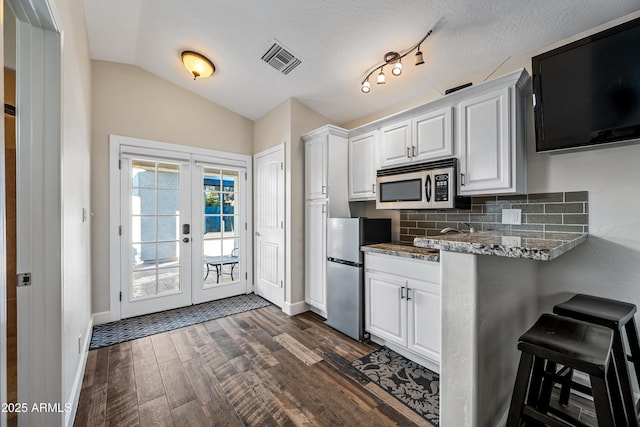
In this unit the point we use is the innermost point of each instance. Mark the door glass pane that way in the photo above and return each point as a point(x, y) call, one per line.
point(168, 176)
point(168, 202)
point(220, 243)
point(168, 227)
point(155, 228)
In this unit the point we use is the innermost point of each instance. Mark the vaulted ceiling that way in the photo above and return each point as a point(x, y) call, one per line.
point(337, 41)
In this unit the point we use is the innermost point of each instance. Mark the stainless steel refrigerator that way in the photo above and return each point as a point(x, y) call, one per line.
point(345, 270)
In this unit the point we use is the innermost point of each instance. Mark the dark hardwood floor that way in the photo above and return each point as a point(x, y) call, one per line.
point(255, 368)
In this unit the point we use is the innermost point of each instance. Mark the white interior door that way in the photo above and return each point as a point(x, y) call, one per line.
point(155, 231)
point(269, 224)
point(219, 227)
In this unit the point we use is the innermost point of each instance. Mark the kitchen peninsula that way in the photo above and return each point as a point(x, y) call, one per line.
point(489, 286)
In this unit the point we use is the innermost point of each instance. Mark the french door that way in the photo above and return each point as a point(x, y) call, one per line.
point(180, 233)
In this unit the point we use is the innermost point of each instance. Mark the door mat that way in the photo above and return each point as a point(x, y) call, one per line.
point(414, 385)
point(151, 324)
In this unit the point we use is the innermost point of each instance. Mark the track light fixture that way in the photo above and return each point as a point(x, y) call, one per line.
point(393, 59)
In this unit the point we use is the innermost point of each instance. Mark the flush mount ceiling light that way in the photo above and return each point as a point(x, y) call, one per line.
point(197, 64)
point(394, 60)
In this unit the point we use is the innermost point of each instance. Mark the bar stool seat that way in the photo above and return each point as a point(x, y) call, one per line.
point(575, 344)
point(619, 317)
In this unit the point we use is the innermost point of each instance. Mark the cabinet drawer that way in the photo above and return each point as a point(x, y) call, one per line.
point(428, 271)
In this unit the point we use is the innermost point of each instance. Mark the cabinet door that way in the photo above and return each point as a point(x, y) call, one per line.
point(385, 307)
point(362, 167)
point(395, 144)
point(424, 323)
point(433, 135)
point(485, 143)
point(315, 164)
point(316, 254)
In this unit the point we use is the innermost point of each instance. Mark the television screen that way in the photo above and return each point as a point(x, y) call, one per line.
point(588, 92)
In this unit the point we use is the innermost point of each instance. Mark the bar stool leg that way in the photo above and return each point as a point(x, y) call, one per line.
point(520, 390)
point(620, 360)
point(634, 345)
point(615, 395)
point(547, 387)
point(565, 391)
point(601, 401)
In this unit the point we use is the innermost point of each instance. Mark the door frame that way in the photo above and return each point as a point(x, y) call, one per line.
point(115, 142)
point(272, 150)
point(39, 247)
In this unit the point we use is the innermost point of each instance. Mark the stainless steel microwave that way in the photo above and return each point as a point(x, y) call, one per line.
point(421, 186)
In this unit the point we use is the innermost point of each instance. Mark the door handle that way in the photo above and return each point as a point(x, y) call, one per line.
point(408, 290)
point(373, 188)
point(258, 234)
point(324, 208)
point(186, 240)
point(402, 293)
point(461, 179)
point(427, 188)
point(413, 148)
point(324, 189)
point(408, 152)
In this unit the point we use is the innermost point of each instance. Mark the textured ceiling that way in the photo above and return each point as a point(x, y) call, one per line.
point(338, 42)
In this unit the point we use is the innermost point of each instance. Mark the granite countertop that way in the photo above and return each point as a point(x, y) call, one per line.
point(538, 246)
point(404, 250)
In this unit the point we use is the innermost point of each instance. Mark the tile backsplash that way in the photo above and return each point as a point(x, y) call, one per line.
point(543, 212)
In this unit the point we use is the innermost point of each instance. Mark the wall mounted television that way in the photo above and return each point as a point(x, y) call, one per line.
point(588, 92)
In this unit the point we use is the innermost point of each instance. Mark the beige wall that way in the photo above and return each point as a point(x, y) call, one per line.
point(76, 191)
point(273, 128)
point(131, 102)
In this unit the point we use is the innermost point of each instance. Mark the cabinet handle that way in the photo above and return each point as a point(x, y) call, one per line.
point(414, 150)
point(408, 152)
point(461, 179)
point(402, 293)
point(324, 189)
point(324, 208)
point(373, 188)
point(408, 290)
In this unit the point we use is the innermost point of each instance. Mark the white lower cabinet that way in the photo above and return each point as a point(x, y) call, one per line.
point(402, 303)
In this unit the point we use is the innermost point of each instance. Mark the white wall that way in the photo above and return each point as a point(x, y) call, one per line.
point(608, 264)
point(129, 101)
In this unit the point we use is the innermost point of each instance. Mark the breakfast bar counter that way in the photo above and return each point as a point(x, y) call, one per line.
point(403, 250)
point(527, 245)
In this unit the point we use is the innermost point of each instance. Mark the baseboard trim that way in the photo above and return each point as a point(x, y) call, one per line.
point(100, 318)
point(77, 383)
point(295, 308)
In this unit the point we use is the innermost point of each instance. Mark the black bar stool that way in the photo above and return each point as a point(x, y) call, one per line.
point(617, 316)
point(578, 345)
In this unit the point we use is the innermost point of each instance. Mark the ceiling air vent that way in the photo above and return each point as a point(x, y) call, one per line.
point(280, 58)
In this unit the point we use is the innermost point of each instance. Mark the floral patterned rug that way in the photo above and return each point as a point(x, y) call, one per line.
point(412, 384)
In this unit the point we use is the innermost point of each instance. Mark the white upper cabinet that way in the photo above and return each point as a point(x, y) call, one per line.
point(363, 166)
point(315, 166)
point(491, 141)
point(395, 144)
point(423, 138)
point(482, 126)
point(433, 135)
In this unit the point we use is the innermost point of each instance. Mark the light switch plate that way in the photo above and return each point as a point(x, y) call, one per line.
point(512, 216)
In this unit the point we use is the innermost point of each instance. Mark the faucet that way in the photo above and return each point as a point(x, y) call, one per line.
point(455, 230)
